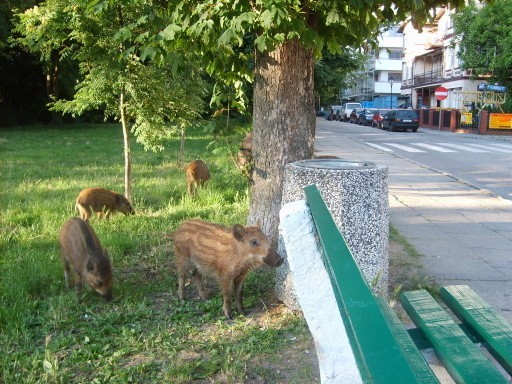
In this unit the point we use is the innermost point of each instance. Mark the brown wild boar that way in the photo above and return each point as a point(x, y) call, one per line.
point(84, 257)
point(102, 201)
point(225, 253)
point(197, 175)
point(245, 160)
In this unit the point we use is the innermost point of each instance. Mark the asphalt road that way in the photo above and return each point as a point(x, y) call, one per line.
point(482, 161)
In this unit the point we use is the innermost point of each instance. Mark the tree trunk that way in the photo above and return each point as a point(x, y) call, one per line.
point(127, 152)
point(284, 126)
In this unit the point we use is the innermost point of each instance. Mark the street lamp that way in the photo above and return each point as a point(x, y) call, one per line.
point(391, 81)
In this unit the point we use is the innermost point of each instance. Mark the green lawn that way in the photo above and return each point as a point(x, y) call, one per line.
point(146, 334)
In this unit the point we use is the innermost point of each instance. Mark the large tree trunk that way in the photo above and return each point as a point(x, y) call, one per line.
point(284, 126)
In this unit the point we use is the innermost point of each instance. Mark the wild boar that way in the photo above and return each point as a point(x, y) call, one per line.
point(198, 174)
point(84, 257)
point(225, 253)
point(245, 160)
point(102, 201)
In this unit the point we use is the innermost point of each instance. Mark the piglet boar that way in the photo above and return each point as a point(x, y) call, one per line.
point(102, 201)
point(84, 257)
point(197, 174)
point(227, 254)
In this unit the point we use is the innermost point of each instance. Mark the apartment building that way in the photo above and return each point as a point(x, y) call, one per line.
point(430, 61)
point(378, 84)
point(409, 65)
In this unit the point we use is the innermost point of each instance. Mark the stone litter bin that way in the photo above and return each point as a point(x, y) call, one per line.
point(356, 194)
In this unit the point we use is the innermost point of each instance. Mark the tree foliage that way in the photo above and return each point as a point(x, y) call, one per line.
point(486, 40)
point(109, 40)
point(331, 71)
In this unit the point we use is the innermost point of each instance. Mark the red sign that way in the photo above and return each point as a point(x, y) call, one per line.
point(441, 93)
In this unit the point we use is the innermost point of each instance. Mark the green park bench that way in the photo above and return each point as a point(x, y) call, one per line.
point(385, 351)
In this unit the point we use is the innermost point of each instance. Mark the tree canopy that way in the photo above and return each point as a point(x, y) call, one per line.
point(485, 38)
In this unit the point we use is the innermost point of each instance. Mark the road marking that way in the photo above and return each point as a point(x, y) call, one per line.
point(491, 148)
point(404, 147)
point(433, 147)
point(379, 147)
point(509, 146)
point(463, 147)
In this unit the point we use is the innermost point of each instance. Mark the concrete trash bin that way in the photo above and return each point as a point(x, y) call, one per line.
point(356, 194)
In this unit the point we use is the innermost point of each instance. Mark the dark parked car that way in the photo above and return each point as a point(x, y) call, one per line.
point(402, 119)
point(377, 117)
point(365, 116)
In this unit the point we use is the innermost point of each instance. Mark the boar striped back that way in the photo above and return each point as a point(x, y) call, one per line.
point(211, 238)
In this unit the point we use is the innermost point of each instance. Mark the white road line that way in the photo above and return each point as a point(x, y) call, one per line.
point(404, 147)
point(463, 147)
point(508, 146)
point(491, 148)
point(433, 147)
point(379, 147)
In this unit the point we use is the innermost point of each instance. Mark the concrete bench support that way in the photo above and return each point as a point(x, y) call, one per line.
point(336, 360)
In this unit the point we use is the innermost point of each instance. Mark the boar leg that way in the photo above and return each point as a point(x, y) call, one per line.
point(67, 274)
point(181, 285)
point(85, 212)
point(227, 293)
point(239, 283)
point(198, 278)
point(79, 285)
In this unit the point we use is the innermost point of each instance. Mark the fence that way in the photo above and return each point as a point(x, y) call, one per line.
point(453, 120)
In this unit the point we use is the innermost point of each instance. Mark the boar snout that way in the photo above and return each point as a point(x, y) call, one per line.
point(108, 296)
point(273, 259)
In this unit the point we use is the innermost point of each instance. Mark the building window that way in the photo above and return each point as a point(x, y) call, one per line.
point(393, 32)
point(395, 54)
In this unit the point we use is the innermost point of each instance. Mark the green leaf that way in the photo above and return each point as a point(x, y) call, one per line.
point(148, 52)
point(169, 33)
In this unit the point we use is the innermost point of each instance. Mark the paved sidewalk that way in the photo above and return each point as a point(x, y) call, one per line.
point(463, 233)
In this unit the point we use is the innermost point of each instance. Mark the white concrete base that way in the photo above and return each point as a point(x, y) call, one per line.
point(315, 295)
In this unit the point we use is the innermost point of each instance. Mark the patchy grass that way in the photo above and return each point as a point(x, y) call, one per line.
point(146, 334)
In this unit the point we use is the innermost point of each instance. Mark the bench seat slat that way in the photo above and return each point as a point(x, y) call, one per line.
point(380, 357)
point(487, 323)
point(461, 358)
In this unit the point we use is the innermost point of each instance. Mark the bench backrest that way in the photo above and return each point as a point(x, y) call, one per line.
point(382, 347)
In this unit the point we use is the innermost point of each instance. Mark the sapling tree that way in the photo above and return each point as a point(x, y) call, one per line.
point(123, 73)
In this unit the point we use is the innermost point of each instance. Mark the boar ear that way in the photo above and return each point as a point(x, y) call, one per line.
point(90, 266)
point(238, 232)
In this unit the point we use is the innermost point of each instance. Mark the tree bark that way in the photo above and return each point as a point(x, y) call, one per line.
point(284, 126)
point(127, 152)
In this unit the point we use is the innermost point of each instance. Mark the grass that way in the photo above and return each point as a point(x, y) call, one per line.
point(406, 270)
point(146, 334)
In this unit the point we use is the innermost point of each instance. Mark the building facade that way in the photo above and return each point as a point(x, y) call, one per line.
point(430, 61)
point(378, 84)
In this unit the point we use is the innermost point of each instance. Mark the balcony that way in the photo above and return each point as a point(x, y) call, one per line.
point(429, 78)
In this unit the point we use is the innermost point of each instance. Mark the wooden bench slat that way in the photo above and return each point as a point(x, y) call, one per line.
point(407, 344)
point(380, 357)
point(461, 358)
point(487, 323)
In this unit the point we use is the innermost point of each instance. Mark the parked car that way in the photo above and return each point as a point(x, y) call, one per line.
point(402, 119)
point(377, 117)
point(347, 108)
point(365, 116)
point(334, 113)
